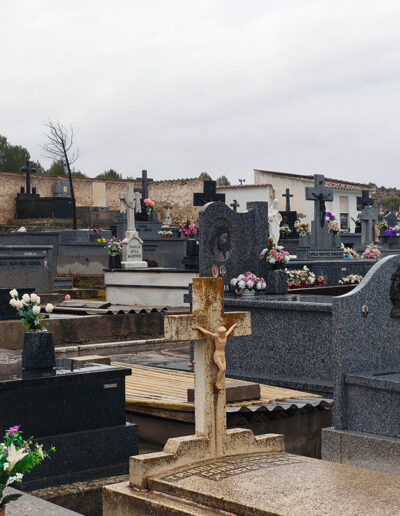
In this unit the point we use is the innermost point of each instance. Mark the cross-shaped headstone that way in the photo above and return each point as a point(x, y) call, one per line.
point(28, 171)
point(368, 217)
point(288, 195)
point(144, 180)
point(234, 205)
point(319, 194)
point(364, 200)
point(208, 313)
point(130, 203)
point(209, 194)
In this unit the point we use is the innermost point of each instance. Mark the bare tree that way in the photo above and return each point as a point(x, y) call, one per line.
point(59, 147)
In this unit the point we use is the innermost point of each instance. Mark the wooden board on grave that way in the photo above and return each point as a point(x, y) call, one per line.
point(83, 303)
point(167, 389)
point(241, 391)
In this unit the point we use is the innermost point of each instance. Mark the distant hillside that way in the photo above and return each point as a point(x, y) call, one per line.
point(388, 196)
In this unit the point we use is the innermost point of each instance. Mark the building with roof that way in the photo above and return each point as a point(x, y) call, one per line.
point(269, 185)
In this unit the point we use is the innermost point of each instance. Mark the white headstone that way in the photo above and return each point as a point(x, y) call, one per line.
point(132, 245)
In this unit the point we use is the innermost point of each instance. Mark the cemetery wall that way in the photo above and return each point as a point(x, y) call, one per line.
point(91, 192)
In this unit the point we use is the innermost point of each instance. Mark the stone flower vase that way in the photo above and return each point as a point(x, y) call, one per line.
point(248, 293)
point(38, 352)
point(114, 261)
point(276, 282)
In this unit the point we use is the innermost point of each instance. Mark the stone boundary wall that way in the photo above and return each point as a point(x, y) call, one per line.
point(177, 192)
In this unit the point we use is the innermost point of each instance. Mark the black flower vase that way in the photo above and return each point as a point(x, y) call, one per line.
point(114, 261)
point(38, 352)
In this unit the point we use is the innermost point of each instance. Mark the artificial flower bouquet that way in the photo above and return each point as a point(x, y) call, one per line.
point(393, 232)
point(149, 205)
point(333, 224)
point(275, 255)
point(189, 229)
point(349, 253)
point(304, 278)
point(371, 252)
point(351, 279)
point(247, 281)
point(113, 246)
point(165, 233)
point(383, 224)
point(285, 229)
point(302, 227)
point(28, 308)
point(17, 457)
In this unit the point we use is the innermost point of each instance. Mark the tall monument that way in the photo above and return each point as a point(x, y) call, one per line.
point(132, 245)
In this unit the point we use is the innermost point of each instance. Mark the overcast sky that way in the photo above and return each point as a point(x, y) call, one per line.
point(224, 86)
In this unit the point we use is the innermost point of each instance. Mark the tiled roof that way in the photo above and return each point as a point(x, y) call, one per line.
point(232, 187)
point(338, 184)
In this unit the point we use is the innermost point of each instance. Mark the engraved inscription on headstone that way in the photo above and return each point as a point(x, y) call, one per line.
point(221, 469)
point(134, 250)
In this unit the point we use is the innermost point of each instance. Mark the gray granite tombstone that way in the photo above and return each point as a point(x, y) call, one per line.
point(230, 242)
point(366, 421)
point(320, 243)
point(391, 219)
point(368, 217)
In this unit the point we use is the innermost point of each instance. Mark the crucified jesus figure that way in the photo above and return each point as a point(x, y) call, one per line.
point(220, 338)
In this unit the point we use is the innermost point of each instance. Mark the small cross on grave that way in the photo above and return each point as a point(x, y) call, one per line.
point(209, 194)
point(210, 328)
point(368, 218)
point(319, 194)
point(234, 205)
point(364, 200)
point(168, 218)
point(28, 171)
point(381, 205)
point(288, 195)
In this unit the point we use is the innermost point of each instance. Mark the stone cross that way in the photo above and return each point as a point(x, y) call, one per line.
point(209, 194)
point(368, 217)
point(212, 439)
point(130, 203)
point(28, 171)
point(144, 180)
point(207, 312)
point(288, 195)
point(319, 194)
point(168, 219)
point(364, 200)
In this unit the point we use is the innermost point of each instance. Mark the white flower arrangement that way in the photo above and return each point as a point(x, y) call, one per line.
point(247, 281)
point(302, 227)
point(28, 308)
point(351, 279)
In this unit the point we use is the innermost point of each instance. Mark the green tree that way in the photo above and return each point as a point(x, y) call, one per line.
point(109, 174)
point(38, 167)
point(57, 168)
point(205, 176)
point(223, 181)
point(12, 157)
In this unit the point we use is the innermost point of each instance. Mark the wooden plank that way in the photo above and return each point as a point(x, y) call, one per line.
point(166, 389)
point(243, 391)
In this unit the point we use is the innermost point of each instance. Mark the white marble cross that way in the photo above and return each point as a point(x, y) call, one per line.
point(130, 203)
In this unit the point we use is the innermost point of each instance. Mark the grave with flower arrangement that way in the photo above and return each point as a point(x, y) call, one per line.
point(323, 241)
